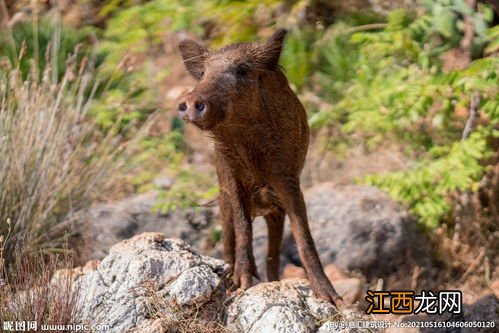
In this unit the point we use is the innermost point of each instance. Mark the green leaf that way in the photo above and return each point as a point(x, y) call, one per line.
point(445, 21)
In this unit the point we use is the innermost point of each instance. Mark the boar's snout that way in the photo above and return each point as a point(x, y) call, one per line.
point(192, 108)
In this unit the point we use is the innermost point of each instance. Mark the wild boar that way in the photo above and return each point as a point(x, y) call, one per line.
point(243, 101)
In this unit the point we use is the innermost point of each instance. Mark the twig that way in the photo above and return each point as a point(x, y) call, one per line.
point(379, 285)
point(415, 276)
point(469, 31)
point(475, 102)
point(4, 15)
point(473, 265)
point(366, 27)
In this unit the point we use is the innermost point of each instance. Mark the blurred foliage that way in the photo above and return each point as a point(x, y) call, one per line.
point(191, 189)
point(54, 161)
point(140, 29)
point(447, 18)
point(117, 98)
point(378, 79)
point(394, 88)
point(131, 42)
point(138, 32)
point(239, 20)
point(42, 41)
point(297, 56)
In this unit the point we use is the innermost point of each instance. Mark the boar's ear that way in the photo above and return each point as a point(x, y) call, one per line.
point(272, 49)
point(192, 53)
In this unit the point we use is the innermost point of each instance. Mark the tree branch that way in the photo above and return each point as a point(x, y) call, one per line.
point(475, 102)
point(469, 31)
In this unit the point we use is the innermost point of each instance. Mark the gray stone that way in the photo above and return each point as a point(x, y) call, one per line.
point(351, 289)
point(345, 318)
point(111, 223)
point(116, 292)
point(152, 284)
point(361, 228)
point(356, 228)
point(194, 285)
point(277, 307)
point(287, 306)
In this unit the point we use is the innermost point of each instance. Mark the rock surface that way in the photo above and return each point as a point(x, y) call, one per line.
point(118, 291)
point(356, 228)
point(361, 228)
point(147, 280)
point(153, 284)
point(285, 306)
point(114, 222)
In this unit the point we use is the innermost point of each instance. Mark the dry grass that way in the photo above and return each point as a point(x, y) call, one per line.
point(468, 249)
point(27, 294)
point(54, 162)
point(196, 318)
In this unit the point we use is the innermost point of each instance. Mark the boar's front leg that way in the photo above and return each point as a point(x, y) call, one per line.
point(290, 193)
point(244, 267)
point(235, 208)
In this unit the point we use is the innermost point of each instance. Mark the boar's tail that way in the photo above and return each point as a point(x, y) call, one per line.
point(210, 203)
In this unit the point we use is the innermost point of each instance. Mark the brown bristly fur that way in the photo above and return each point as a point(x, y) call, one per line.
point(260, 133)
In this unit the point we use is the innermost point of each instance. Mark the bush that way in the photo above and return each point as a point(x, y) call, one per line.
point(132, 39)
point(395, 88)
point(53, 160)
point(41, 42)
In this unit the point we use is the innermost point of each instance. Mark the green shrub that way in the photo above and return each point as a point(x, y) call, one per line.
point(138, 30)
point(426, 187)
point(395, 89)
point(42, 41)
point(297, 57)
point(239, 20)
point(447, 19)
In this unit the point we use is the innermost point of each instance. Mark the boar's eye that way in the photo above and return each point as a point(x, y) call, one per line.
point(242, 71)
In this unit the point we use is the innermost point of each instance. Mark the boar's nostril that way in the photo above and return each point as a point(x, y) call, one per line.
point(182, 107)
point(200, 106)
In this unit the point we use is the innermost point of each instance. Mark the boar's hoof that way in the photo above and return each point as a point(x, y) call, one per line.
point(325, 290)
point(243, 275)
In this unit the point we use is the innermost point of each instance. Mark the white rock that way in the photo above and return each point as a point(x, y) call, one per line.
point(194, 285)
point(277, 307)
point(115, 293)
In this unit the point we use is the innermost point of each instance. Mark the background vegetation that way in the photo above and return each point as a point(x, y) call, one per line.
point(82, 87)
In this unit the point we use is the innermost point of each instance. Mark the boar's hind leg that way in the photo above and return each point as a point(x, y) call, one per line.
point(275, 225)
point(228, 236)
point(290, 193)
